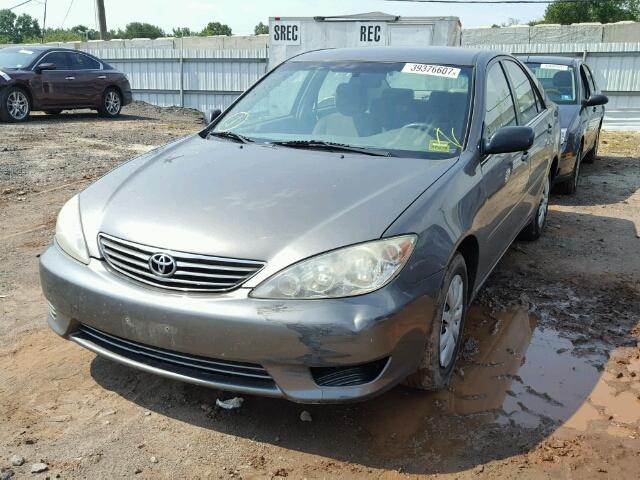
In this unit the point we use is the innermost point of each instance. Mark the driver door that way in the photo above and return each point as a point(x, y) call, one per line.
point(56, 85)
point(504, 176)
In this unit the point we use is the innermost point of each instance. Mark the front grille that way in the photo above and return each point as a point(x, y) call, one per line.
point(208, 369)
point(348, 376)
point(193, 273)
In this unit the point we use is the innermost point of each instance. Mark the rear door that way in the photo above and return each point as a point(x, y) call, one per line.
point(89, 80)
point(531, 113)
point(504, 176)
point(55, 89)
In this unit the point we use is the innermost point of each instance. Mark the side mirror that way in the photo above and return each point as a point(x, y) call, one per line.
point(509, 139)
point(211, 115)
point(45, 66)
point(596, 99)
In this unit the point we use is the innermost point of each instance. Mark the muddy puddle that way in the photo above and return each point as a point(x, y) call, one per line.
point(516, 384)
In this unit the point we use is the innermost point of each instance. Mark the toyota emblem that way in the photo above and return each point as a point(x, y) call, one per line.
point(162, 265)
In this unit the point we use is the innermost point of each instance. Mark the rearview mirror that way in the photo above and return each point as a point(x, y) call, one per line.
point(596, 99)
point(509, 139)
point(45, 66)
point(211, 115)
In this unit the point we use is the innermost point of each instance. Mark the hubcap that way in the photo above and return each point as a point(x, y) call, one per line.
point(18, 105)
point(112, 102)
point(451, 320)
point(544, 204)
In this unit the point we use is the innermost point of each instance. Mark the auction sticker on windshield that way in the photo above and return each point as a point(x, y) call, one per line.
point(435, 70)
point(551, 66)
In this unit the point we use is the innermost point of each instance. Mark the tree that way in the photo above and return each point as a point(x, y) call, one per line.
point(603, 11)
point(17, 29)
point(261, 29)
point(216, 28)
point(140, 30)
point(183, 32)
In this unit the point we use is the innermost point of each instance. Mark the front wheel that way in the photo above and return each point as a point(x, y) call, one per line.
point(14, 105)
point(539, 220)
point(111, 103)
point(444, 339)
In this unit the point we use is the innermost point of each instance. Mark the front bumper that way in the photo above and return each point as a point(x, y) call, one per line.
point(285, 338)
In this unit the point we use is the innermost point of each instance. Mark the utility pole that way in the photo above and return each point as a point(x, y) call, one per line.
point(44, 21)
point(102, 19)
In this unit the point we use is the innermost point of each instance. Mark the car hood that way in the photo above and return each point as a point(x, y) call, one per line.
point(258, 202)
point(567, 114)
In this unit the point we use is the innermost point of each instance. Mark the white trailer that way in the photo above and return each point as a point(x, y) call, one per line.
point(289, 36)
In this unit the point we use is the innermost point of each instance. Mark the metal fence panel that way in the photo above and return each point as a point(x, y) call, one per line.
point(197, 78)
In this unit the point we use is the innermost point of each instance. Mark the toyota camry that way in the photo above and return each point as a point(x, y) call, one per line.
point(322, 238)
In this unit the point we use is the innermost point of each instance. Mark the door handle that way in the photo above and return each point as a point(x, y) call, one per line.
point(102, 77)
point(69, 78)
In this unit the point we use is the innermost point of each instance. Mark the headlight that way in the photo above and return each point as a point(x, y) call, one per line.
point(345, 272)
point(69, 235)
point(563, 135)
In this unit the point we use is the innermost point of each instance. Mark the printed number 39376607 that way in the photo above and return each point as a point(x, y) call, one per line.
point(435, 70)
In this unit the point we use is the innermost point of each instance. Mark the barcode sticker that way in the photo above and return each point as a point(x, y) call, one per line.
point(552, 66)
point(434, 70)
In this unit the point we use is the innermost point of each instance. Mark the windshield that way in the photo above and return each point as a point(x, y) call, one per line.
point(558, 81)
point(407, 109)
point(16, 58)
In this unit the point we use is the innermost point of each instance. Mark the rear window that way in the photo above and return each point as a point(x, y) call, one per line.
point(558, 81)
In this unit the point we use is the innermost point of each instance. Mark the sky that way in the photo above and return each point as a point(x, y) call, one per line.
point(243, 15)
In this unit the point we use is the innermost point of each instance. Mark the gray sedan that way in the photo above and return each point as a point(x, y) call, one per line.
point(570, 83)
point(321, 239)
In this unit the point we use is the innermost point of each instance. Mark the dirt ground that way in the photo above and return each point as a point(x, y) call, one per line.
point(548, 385)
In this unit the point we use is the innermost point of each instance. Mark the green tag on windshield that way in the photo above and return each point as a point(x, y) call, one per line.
point(439, 146)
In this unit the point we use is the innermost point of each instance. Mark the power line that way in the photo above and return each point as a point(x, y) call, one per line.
point(20, 4)
point(67, 14)
point(480, 2)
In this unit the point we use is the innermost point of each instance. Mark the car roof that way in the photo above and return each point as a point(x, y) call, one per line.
point(437, 55)
point(38, 48)
point(572, 62)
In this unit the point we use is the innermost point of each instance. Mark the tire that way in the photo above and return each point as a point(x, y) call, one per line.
point(534, 229)
point(111, 103)
point(437, 364)
point(593, 153)
point(570, 186)
point(15, 105)
point(53, 112)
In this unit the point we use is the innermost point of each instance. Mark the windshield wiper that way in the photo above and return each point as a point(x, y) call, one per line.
point(322, 145)
point(232, 135)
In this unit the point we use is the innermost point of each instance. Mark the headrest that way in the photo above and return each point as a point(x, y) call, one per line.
point(398, 95)
point(351, 99)
point(563, 79)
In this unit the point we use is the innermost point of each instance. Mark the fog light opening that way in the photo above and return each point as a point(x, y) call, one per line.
point(350, 375)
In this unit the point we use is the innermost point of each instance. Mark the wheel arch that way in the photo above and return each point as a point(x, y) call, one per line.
point(469, 248)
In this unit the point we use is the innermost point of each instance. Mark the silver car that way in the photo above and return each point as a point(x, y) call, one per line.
point(322, 238)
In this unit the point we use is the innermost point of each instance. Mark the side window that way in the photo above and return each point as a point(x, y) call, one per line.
point(281, 98)
point(500, 111)
point(82, 62)
point(59, 59)
point(330, 84)
point(524, 93)
point(591, 80)
point(585, 83)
